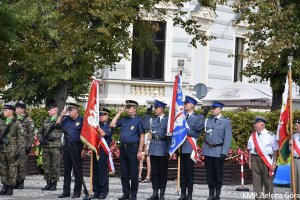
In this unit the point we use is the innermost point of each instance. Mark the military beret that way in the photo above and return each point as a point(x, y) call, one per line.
point(20, 104)
point(260, 119)
point(158, 103)
point(131, 103)
point(72, 105)
point(104, 110)
point(189, 99)
point(9, 107)
point(216, 104)
point(51, 104)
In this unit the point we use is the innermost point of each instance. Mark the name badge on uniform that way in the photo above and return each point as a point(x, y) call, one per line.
point(77, 123)
point(132, 128)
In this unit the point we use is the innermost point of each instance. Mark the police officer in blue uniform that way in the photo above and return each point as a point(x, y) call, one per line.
point(195, 123)
point(72, 125)
point(132, 141)
point(158, 151)
point(215, 148)
point(100, 167)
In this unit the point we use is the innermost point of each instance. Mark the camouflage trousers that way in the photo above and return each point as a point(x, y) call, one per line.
point(22, 165)
point(8, 167)
point(51, 163)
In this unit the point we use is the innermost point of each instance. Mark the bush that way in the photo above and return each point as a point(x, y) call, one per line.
point(241, 121)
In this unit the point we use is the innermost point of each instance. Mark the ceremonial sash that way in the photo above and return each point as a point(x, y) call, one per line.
point(105, 147)
point(296, 145)
point(194, 154)
point(262, 154)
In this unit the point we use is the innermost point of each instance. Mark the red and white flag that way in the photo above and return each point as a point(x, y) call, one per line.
point(89, 133)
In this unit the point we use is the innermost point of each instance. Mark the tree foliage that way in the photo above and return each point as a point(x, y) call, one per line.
point(63, 42)
point(273, 35)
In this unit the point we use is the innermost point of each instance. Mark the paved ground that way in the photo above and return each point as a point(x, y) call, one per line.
point(34, 184)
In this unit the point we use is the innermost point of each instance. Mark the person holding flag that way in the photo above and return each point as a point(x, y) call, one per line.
point(131, 148)
point(295, 141)
point(95, 135)
point(216, 148)
point(263, 149)
point(158, 151)
point(189, 148)
point(101, 168)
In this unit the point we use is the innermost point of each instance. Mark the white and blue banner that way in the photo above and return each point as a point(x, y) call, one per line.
point(177, 125)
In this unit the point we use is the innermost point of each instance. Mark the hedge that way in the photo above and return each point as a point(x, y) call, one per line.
point(242, 123)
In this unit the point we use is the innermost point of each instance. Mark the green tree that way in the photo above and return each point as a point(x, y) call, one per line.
point(67, 40)
point(273, 36)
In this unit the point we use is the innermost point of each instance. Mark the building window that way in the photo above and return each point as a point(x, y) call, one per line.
point(149, 65)
point(238, 59)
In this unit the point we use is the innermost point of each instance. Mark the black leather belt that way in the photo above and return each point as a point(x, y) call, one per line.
point(135, 144)
point(213, 145)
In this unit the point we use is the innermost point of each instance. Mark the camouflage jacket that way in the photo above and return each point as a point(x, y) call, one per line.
point(54, 138)
point(14, 134)
point(28, 127)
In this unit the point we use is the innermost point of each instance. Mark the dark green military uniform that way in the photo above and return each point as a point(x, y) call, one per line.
point(28, 140)
point(8, 152)
point(51, 152)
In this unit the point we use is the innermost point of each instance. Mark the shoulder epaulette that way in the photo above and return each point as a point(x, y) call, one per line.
point(271, 133)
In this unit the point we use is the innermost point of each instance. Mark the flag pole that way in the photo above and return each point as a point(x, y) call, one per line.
point(178, 171)
point(91, 172)
point(290, 59)
point(180, 68)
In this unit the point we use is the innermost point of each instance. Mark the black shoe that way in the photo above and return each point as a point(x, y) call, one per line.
point(4, 188)
point(190, 194)
point(124, 197)
point(76, 195)
point(182, 197)
point(17, 184)
point(21, 184)
point(53, 186)
point(48, 186)
point(63, 195)
point(183, 193)
point(211, 194)
point(95, 196)
point(9, 191)
point(218, 193)
point(133, 198)
point(102, 196)
point(162, 194)
point(154, 195)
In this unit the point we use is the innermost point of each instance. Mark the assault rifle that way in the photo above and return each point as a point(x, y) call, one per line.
point(45, 139)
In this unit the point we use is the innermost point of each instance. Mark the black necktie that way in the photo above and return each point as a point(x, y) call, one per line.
point(187, 116)
point(158, 119)
point(216, 120)
point(258, 134)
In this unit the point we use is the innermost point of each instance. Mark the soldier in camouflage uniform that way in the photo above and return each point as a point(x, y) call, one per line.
point(12, 131)
point(51, 147)
point(28, 139)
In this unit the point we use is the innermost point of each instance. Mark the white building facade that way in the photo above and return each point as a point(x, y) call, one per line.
point(148, 76)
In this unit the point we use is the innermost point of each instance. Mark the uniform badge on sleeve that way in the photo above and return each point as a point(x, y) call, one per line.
point(77, 123)
point(132, 128)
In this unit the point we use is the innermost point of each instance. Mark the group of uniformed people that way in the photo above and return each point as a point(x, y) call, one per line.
point(17, 139)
